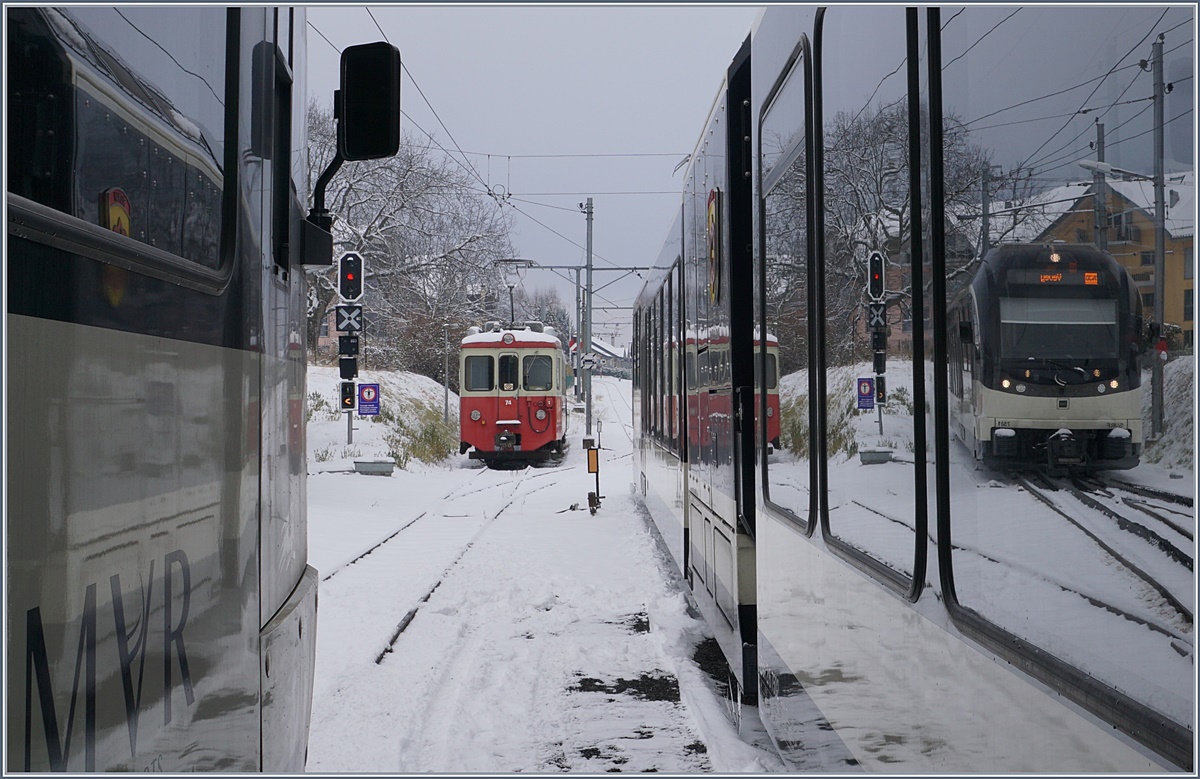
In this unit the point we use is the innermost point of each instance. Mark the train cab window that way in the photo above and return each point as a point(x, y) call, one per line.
point(1057, 328)
point(539, 373)
point(507, 373)
point(478, 373)
point(1056, 391)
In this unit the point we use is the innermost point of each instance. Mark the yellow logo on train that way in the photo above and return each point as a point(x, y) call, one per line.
point(714, 245)
point(115, 211)
point(115, 216)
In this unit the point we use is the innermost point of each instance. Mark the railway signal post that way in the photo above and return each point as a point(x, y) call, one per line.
point(350, 291)
point(877, 324)
point(593, 458)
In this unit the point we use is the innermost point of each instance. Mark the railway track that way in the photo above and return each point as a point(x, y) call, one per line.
point(451, 498)
point(1126, 540)
point(483, 603)
point(518, 493)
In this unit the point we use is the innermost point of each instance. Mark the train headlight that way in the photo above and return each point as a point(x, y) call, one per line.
point(1020, 388)
point(1113, 384)
point(475, 415)
point(1101, 388)
point(540, 414)
point(508, 338)
point(1005, 383)
point(770, 412)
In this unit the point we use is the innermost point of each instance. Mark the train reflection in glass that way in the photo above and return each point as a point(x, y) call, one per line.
point(886, 586)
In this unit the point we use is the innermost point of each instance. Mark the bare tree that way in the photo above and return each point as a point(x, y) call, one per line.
point(429, 239)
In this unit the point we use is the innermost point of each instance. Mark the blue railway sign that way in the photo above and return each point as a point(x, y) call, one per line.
point(368, 400)
point(866, 394)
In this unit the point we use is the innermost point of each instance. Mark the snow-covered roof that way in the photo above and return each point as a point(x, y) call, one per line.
point(1040, 212)
point(524, 337)
point(1181, 217)
point(602, 347)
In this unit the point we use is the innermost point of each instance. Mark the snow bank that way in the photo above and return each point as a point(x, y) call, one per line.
point(399, 391)
point(1176, 450)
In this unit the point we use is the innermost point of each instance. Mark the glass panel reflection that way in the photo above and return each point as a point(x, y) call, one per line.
point(868, 357)
point(784, 348)
point(1048, 338)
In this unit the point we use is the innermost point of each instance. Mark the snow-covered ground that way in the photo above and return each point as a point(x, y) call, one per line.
point(484, 621)
point(536, 637)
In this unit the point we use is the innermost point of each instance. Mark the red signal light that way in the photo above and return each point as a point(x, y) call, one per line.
point(875, 288)
point(349, 285)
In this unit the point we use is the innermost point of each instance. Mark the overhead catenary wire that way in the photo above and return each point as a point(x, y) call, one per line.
point(1111, 70)
point(487, 189)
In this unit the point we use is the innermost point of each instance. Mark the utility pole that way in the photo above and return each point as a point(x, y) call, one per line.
point(587, 333)
point(1100, 193)
point(446, 373)
point(985, 242)
point(985, 229)
point(578, 336)
point(1160, 238)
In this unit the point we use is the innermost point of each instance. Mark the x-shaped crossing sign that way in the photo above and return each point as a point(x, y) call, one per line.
point(349, 319)
point(875, 315)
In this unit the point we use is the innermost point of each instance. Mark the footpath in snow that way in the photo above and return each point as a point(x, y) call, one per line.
point(471, 621)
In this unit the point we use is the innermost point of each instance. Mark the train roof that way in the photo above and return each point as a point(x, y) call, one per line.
point(1009, 254)
point(524, 337)
point(1005, 257)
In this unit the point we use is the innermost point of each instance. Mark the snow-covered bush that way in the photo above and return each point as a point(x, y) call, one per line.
point(416, 431)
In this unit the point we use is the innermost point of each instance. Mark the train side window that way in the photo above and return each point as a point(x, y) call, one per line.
point(539, 372)
point(138, 129)
point(870, 438)
point(479, 374)
point(783, 306)
point(507, 372)
point(1048, 379)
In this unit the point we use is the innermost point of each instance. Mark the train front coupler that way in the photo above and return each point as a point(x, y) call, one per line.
point(1064, 449)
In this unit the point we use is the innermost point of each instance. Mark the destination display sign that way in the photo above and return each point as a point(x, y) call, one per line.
point(1054, 276)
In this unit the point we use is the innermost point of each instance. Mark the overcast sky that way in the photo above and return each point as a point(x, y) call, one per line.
point(512, 81)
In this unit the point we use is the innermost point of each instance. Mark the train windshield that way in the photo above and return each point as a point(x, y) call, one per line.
point(508, 372)
point(1058, 329)
point(539, 372)
point(478, 373)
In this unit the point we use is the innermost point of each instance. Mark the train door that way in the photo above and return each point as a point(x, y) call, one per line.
point(508, 385)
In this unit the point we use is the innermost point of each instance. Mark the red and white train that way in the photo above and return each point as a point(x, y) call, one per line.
point(512, 390)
